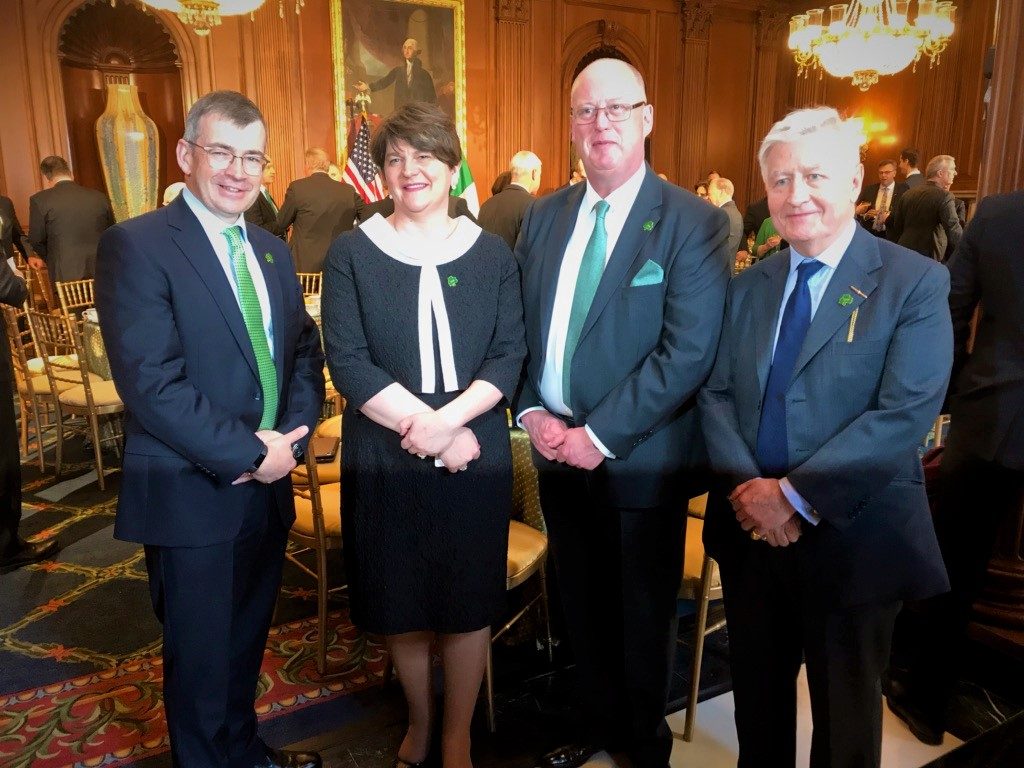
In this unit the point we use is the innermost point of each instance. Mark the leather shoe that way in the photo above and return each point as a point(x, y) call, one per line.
point(285, 758)
point(569, 756)
point(924, 731)
point(28, 552)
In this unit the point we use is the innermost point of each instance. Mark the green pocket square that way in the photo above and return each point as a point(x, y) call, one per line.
point(650, 273)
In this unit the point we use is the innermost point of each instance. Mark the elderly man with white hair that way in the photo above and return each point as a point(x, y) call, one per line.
point(925, 219)
point(833, 362)
point(502, 214)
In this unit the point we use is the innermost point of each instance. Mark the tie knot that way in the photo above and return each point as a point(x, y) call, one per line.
point(807, 270)
point(234, 236)
point(600, 209)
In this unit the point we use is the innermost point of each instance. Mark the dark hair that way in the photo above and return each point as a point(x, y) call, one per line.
point(887, 162)
point(502, 181)
point(422, 126)
point(237, 109)
point(911, 156)
point(54, 166)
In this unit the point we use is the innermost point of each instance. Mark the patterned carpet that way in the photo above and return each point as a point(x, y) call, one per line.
point(80, 668)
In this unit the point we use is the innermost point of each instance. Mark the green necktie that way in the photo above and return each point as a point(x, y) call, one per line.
point(253, 316)
point(587, 280)
point(273, 205)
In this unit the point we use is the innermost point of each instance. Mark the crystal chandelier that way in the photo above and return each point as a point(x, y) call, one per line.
point(204, 15)
point(865, 39)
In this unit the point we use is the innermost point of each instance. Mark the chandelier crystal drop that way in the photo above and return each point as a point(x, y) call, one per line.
point(204, 15)
point(867, 39)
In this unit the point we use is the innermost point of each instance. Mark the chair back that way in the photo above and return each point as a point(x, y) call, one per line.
point(310, 282)
point(76, 295)
point(58, 342)
point(525, 492)
point(23, 347)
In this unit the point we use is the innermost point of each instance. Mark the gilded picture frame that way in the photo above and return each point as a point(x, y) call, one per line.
point(367, 40)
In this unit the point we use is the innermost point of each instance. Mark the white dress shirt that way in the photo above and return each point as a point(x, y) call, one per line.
point(817, 284)
point(214, 229)
point(620, 202)
point(884, 196)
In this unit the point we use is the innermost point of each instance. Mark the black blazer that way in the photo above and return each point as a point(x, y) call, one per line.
point(503, 213)
point(318, 209)
point(869, 194)
point(262, 214)
point(421, 89)
point(914, 180)
point(64, 227)
point(737, 237)
point(184, 366)
point(457, 206)
point(987, 404)
point(756, 213)
point(11, 235)
point(924, 220)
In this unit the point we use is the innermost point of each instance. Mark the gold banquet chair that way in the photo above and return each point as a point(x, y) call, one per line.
point(701, 583)
point(34, 396)
point(79, 393)
point(310, 282)
point(75, 295)
point(327, 473)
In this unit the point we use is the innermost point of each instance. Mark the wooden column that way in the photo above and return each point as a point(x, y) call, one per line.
point(693, 115)
point(770, 26)
point(511, 50)
point(809, 89)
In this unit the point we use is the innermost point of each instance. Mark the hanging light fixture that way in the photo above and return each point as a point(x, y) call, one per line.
point(204, 15)
point(866, 39)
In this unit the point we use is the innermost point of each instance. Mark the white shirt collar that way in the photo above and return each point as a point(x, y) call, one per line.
point(832, 255)
point(890, 185)
point(213, 226)
point(622, 197)
point(913, 172)
point(409, 250)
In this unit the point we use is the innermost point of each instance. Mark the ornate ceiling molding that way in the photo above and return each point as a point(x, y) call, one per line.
point(697, 15)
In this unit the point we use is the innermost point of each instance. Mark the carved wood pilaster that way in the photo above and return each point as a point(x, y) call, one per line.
point(512, 11)
point(809, 89)
point(769, 37)
point(693, 123)
point(1002, 164)
point(697, 16)
point(511, 50)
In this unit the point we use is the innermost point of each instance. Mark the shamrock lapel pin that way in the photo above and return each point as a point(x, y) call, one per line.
point(452, 281)
point(269, 257)
point(845, 300)
point(648, 225)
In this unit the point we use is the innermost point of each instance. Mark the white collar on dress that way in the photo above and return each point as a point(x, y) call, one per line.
point(409, 250)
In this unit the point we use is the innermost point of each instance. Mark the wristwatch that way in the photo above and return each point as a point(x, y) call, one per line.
point(298, 453)
point(257, 461)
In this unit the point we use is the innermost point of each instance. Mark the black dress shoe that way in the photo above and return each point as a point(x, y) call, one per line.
point(923, 729)
point(569, 756)
point(284, 758)
point(28, 552)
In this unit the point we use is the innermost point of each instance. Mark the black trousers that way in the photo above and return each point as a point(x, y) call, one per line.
point(931, 634)
point(618, 574)
point(10, 471)
point(216, 604)
point(772, 629)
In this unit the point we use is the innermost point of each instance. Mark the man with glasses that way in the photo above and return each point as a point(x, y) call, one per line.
point(221, 374)
point(624, 280)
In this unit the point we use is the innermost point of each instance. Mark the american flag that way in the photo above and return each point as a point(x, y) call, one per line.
point(360, 170)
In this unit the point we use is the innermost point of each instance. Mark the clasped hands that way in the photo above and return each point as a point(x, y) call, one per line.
point(763, 509)
point(428, 433)
point(279, 460)
point(556, 441)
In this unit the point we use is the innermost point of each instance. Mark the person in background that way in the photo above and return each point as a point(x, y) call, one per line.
point(172, 191)
point(501, 181)
point(503, 213)
point(263, 212)
point(720, 193)
point(925, 218)
point(422, 319)
point(907, 165)
point(11, 235)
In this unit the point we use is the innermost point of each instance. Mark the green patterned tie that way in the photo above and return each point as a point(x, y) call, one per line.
point(587, 280)
point(253, 316)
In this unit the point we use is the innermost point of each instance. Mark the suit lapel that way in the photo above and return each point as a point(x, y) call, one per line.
point(270, 277)
point(561, 231)
point(646, 207)
point(776, 272)
point(196, 248)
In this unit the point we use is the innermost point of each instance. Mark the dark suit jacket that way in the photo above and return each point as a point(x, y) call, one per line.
point(64, 227)
point(11, 235)
point(987, 404)
point(185, 369)
point(318, 209)
point(869, 194)
point(857, 412)
point(421, 89)
point(12, 292)
point(924, 220)
point(503, 213)
point(756, 213)
point(737, 237)
point(644, 350)
point(263, 214)
point(914, 180)
point(457, 206)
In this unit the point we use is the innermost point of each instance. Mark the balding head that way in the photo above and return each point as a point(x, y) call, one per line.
point(525, 170)
point(720, 191)
point(317, 160)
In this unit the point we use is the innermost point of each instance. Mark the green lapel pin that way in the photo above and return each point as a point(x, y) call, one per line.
point(269, 257)
point(452, 281)
point(845, 300)
point(648, 225)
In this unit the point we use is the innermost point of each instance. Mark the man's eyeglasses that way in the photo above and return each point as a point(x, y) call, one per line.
point(220, 158)
point(615, 112)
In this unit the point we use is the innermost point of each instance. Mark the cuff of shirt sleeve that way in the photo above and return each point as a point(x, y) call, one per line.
point(799, 502)
point(519, 418)
point(597, 443)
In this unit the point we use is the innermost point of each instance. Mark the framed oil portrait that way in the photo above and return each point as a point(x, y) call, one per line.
point(396, 51)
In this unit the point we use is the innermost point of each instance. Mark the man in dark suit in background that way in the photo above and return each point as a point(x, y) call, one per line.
point(877, 200)
point(65, 222)
point(754, 217)
point(623, 282)
point(11, 235)
point(263, 213)
point(720, 192)
point(833, 363)
point(908, 161)
point(318, 209)
point(983, 457)
point(503, 213)
point(925, 218)
point(412, 82)
point(14, 551)
point(221, 374)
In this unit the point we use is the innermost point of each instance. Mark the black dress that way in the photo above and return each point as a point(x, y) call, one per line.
point(425, 549)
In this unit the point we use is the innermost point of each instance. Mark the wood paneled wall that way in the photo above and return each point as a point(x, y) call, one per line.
point(717, 72)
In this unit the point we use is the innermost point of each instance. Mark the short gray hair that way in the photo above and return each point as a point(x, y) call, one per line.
point(723, 185)
point(523, 162)
point(849, 135)
point(938, 163)
point(234, 107)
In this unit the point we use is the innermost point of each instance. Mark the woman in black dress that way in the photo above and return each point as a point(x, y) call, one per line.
point(422, 321)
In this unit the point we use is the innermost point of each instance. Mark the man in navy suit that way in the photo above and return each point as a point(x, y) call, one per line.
point(834, 359)
point(221, 373)
point(624, 279)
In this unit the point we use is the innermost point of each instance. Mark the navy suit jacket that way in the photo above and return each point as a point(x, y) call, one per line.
point(185, 368)
point(644, 350)
point(857, 410)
